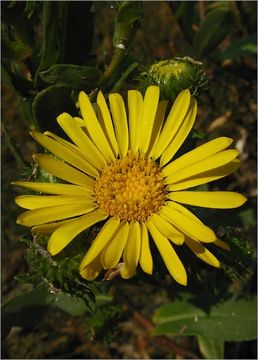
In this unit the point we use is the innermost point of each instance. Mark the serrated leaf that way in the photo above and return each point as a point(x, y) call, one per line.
point(213, 29)
point(72, 76)
point(72, 305)
point(231, 320)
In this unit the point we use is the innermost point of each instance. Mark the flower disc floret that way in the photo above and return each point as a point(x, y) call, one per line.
point(131, 188)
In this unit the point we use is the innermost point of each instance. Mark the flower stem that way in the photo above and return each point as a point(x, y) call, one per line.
point(115, 62)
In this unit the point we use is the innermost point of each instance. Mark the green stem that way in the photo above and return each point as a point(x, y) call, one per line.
point(115, 62)
point(120, 83)
point(21, 162)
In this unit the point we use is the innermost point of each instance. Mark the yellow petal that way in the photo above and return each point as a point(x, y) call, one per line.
point(61, 170)
point(53, 213)
point(190, 227)
point(168, 230)
point(117, 107)
point(107, 124)
point(79, 121)
point(172, 261)
point(74, 148)
point(182, 209)
point(57, 189)
point(220, 243)
point(209, 199)
point(202, 253)
point(157, 126)
point(181, 133)
point(93, 126)
point(112, 253)
point(135, 107)
point(68, 144)
point(64, 153)
point(48, 228)
point(78, 136)
point(91, 271)
point(206, 176)
point(39, 201)
point(211, 163)
point(173, 122)
point(131, 251)
point(200, 153)
point(66, 233)
point(102, 239)
point(150, 104)
point(145, 259)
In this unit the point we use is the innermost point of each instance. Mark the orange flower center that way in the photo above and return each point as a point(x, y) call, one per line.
point(131, 188)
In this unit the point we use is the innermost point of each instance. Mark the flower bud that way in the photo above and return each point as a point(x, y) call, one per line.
point(175, 75)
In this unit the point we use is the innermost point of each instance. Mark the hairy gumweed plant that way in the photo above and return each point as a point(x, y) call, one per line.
point(120, 170)
point(129, 212)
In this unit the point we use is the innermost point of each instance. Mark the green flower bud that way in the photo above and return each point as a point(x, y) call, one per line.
point(175, 75)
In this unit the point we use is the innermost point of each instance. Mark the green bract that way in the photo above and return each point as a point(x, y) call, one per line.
point(175, 75)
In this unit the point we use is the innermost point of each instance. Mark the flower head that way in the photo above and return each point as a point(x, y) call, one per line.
point(119, 168)
point(174, 75)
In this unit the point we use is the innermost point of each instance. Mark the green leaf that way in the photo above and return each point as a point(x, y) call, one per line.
point(103, 299)
point(72, 76)
point(30, 8)
point(50, 103)
point(210, 348)
point(72, 305)
point(6, 76)
point(26, 310)
point(231, 320)
point(37, 297)
point(14, 44)
point(213, 29)
point(244, 46)
point(129, 12)
point(186, 15)
point(54, 22)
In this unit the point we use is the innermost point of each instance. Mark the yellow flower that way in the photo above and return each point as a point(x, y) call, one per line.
point(119, 169)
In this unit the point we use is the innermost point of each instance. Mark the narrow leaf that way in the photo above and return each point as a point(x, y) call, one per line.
point(213, 29)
